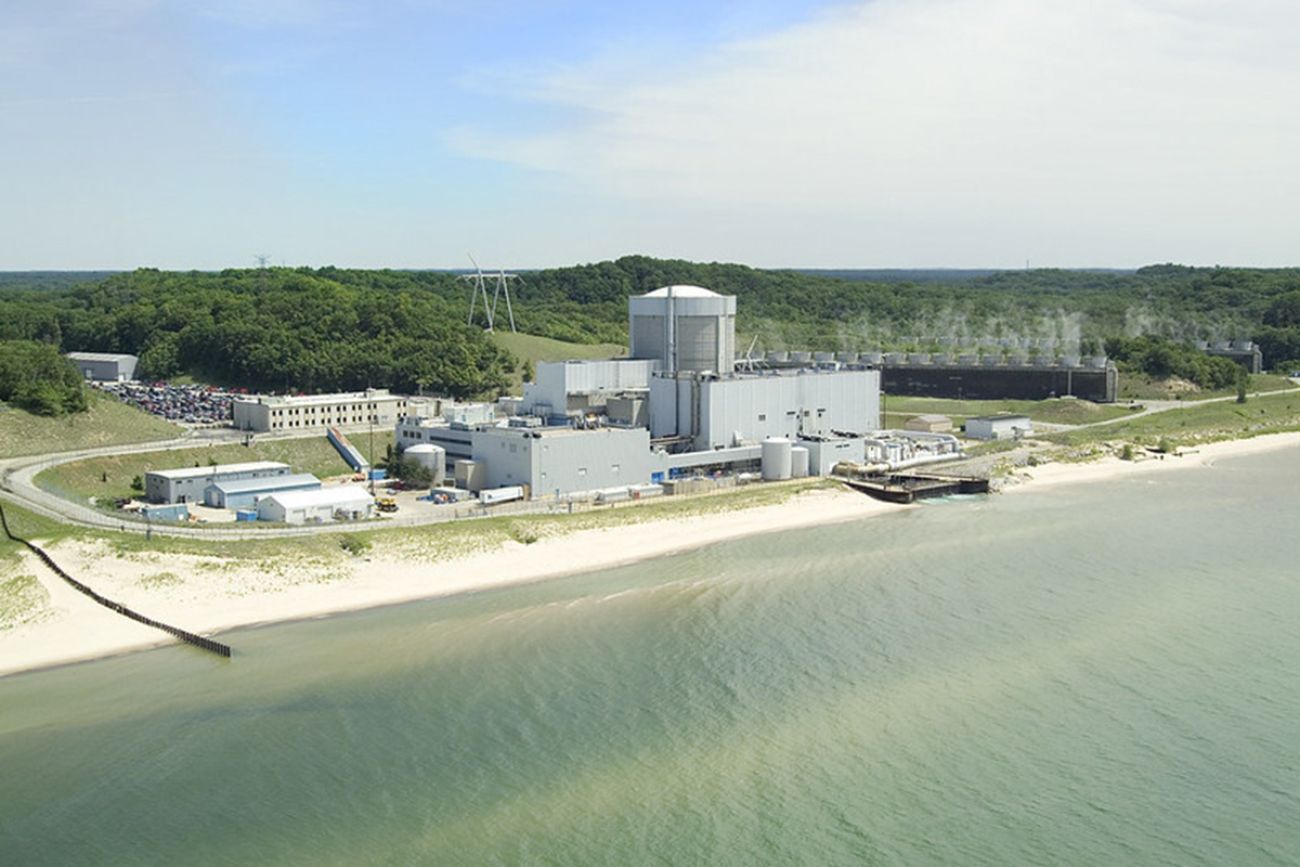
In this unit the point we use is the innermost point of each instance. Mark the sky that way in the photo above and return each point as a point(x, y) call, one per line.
point(777, 133)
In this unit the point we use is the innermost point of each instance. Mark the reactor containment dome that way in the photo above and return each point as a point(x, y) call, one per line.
point(689, 329)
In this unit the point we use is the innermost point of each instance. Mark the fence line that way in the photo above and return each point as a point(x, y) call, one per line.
point(188, 637)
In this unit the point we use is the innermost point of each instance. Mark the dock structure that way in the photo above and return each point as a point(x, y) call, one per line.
point(910, 487)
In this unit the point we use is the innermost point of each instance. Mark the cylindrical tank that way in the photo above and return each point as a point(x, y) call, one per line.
point(687, 328)
point(778, 355)
point(777, 460)
point(432, 458)
point(1098, 362)
point(847, 357)
point(801, 357)
point(823, 357)
point(1070, 361)
point(918, 358)
point(941, 358)
point(798, 462)
point(969, 360)
point(895, 358)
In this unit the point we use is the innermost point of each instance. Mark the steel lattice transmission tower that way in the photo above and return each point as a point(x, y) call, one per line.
point(479, 287)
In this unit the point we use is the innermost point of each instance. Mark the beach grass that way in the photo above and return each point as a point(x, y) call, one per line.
point(107, 422)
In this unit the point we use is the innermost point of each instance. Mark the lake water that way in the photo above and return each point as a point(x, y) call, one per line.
point(1102, 674)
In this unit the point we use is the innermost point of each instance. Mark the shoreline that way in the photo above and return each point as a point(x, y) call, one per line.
point(217, 595)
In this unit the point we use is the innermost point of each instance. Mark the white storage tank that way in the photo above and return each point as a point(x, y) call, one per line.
point(798, 462)
point(432, 458)
point(777, 459)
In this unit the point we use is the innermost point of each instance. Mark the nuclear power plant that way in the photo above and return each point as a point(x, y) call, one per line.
point(676, 408)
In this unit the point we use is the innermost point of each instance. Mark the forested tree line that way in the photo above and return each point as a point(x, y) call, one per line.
point(36, 377)
point(331, 328)
point(279, 330)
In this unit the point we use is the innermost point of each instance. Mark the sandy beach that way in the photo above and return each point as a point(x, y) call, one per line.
point(207, 594)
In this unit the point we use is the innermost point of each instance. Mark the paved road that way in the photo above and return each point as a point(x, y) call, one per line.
point(17, 486)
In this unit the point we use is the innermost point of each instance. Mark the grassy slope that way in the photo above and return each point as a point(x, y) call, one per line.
point(80, 480)
point(107, 422)
point(529, 347)
point(1204, 422)
point(1055, 411)
point(1135, 386)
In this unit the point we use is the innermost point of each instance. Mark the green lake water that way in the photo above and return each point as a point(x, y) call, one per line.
point(1102, 674)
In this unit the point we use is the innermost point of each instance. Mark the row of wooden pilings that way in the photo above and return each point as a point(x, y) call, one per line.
point(188, 637)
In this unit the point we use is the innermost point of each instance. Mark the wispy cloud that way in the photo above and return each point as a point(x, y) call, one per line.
point(954, 105)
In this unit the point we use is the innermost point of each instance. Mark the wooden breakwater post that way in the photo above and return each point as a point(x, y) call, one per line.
point(198, 641)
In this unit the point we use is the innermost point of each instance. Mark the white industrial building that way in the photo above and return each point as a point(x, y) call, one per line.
point(345, 503)
point(189, 484)
point(104, 366)
point(711, 412)
point(563, 460)
point(565, 387)
point(998, 427)
point(265, 413)
point(241, 493)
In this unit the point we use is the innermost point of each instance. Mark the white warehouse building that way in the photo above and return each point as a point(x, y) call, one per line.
point(320, 506)
point(104, 366)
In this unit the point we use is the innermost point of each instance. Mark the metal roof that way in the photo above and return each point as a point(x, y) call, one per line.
point(100, 356)
point(266, 483)
point(340, 496)
point(218, 470)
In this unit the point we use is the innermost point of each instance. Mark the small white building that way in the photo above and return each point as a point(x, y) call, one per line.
point(347, 503)
point(104, 366)
point(998, 427)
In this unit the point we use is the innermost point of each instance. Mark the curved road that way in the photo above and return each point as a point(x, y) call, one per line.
point(18, 486)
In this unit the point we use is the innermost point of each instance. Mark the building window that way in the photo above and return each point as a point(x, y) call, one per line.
point(582, 471)
point(762, 416)
point(613, 468)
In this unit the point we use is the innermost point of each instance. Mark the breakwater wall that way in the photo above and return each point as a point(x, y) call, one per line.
point(198, 641)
